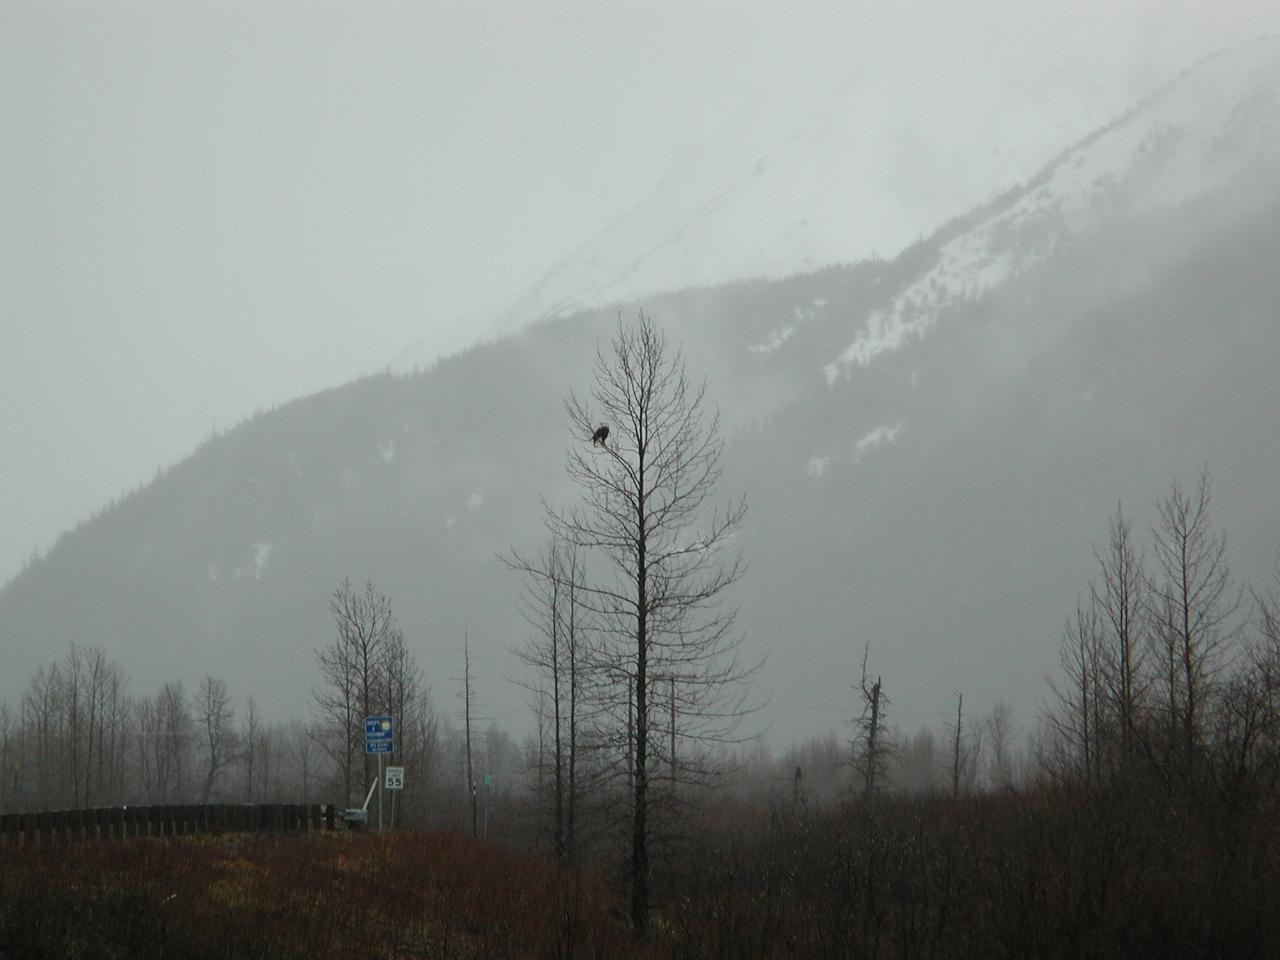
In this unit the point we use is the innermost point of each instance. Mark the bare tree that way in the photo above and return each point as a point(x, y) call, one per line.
point(421, 752)
point(214, 714)
point(1248, 730)
point(251, 749)
point(1078, 713)
point(42, 716)
point(93, 725)
point(551, 603)
point(355, 672)
point(1192, 608)
point(659, 602)
point(302, 749)
point(916, 766)
point(870, 746)
point(966, 752)
point(11, 760)
point(999, 727)
point(1120, 600)
point(164, 734)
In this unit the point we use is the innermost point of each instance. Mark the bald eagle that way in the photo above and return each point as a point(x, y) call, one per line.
point(600, 436)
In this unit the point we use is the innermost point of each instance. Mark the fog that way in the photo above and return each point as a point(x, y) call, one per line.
point(211, 208)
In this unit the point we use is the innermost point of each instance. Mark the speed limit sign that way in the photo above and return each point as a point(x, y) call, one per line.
point(395, 778)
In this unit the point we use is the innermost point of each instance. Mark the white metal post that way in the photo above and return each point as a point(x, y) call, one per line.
point(380, 787)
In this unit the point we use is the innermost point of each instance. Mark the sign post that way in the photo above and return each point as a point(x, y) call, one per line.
point(488, 792)
point(395, 782)
point(379, 738)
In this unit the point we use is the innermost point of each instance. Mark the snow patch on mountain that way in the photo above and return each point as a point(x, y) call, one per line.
point(1214, 124)
point(880, 435)
point(817, 467)
point(831, 181)
point(780, 336)
point(255, 566)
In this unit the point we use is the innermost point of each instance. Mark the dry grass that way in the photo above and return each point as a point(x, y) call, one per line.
point(1065, 874)
point(314, 896)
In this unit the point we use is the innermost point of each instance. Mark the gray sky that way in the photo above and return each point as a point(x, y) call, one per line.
point(210, 208)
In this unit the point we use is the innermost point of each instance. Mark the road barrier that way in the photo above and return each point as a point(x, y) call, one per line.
point(102, 823)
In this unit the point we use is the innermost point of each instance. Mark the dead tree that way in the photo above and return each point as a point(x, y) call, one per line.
point(557, 655)
point(870, 748)
point(966, 752)
point(354, 669)
point(214, 713)
point(1077, 716)
point(1120, 600)
point(1193, 605)
point(658, 600)
point(999, 727)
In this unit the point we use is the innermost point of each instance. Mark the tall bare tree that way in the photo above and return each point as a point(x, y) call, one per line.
point(302, 754)
point(658, 601)
point(215, 713)
point(1263, 677)
point(870, 745)
point(557, 655)
point(164, 739)
point(356, 670)
point(966, 752)
point(1079, 711)
point(252, 743)
point(1120, 600)
point(1193, 606)
point(999, 727)
point(42, 716)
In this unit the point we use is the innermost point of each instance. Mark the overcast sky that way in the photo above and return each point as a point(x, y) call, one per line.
point(210, 208)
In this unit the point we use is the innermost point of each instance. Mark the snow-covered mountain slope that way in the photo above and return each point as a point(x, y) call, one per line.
point(834, 183)
point(1216, 124)
point(869, 159)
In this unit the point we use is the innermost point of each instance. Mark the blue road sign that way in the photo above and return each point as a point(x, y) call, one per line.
point(377, 728)
point(379, 746)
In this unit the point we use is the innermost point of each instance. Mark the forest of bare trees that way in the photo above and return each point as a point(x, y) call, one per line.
point(1168, 664)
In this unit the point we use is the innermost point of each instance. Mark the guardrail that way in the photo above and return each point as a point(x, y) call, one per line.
point(63, 826)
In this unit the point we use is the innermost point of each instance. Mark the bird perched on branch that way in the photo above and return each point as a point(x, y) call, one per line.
point(600, 436)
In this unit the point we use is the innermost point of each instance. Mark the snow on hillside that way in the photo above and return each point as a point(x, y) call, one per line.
point(863, 166)
point(868, 170)
point(1215, 123)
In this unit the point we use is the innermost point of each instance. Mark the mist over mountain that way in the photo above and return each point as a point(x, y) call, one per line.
point(928, 445)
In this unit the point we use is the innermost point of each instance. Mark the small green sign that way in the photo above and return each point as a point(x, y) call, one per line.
point(488, 779)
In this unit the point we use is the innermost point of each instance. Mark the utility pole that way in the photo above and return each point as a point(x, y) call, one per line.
point(955, 762)
point(673, 731)
point(466, 682)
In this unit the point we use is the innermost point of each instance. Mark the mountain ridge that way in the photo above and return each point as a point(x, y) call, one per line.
point(940, 501)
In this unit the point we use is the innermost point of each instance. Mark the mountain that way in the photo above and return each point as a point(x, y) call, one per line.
point(929, 447)
point(1214, 126)
point(826, 173)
